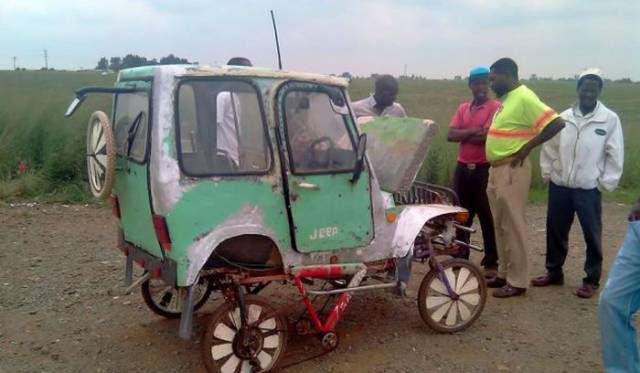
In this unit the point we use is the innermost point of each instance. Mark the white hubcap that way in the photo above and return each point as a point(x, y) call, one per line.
point(442, 308)
point(225, 333)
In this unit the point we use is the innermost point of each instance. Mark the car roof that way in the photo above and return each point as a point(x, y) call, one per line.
point(146, 72)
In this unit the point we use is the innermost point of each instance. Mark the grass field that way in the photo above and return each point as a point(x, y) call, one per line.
point(438, 100)
point(32, 127)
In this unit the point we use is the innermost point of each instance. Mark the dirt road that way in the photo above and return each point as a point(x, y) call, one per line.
point(62, 309)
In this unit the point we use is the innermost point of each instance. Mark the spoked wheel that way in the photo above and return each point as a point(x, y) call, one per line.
point(229, 348)
point(101, 155)
point(447, 313)
point(165, 300)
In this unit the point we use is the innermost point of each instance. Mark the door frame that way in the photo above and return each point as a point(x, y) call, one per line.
point(284, 153)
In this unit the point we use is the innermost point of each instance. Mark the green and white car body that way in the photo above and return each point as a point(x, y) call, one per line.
point(284, 190)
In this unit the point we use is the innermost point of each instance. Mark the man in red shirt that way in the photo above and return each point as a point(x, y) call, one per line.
point(469, 127)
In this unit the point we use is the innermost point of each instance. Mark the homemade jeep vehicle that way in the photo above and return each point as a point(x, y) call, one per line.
point(229, 179)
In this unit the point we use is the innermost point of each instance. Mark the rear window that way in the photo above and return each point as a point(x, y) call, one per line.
point(221, 130)
point(131, 125)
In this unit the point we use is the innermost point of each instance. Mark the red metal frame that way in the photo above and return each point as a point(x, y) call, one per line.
point(327, 272)
point(336, 313)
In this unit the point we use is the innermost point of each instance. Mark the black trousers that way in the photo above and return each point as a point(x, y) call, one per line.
point(471, 187)
point(564, 204)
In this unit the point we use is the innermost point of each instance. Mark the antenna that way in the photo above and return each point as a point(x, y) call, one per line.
point(275, 32)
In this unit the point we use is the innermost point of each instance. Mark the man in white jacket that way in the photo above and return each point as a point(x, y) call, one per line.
point(584, 159)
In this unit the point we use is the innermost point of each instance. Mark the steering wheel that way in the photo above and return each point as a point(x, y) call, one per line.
point(315, 160)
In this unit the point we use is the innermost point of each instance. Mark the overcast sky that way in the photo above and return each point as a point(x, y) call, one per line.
point(434, 38)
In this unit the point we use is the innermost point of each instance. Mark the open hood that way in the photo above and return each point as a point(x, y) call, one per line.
point(397, 147)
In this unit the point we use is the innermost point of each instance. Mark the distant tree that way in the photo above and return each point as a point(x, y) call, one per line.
point(533, 77)
point(623, 80)
point(115, 63)
point(173, 60)
point(457, 77)
point(133, 60)
point(103, 64)
point(347, 75)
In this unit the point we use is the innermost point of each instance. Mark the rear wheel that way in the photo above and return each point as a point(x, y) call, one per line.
point(229, 348)
point(450, 313)
point(165, 300)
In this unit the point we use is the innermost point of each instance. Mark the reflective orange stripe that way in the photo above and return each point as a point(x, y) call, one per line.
point(542, 119)
point(507, 134)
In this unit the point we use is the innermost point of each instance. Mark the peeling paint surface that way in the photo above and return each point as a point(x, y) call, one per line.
point(201, 213)
point(249, 220)
point(213, 211)
point(411, 221)
point(397, 147)
point(166, 190)
point(336, 213)
point(269, 73)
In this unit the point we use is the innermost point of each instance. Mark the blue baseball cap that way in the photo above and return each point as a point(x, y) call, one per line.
point(478, 72)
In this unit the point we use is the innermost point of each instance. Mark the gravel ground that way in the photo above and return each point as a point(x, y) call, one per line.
point(62, 309)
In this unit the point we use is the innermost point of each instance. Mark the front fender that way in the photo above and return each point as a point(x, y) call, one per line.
point(410, 222)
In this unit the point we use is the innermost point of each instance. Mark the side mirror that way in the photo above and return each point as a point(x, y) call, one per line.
point(74, 105)
point(360, 153)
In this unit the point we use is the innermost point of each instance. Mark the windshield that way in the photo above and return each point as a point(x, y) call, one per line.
point(221, 130)
point(319, 140)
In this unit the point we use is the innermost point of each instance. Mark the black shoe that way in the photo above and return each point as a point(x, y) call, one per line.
point(496, 282)
point(547, 280)
point(509, 291)
point(586, 291)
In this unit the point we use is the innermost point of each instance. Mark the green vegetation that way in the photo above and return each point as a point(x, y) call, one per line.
point(438, 100)
point(33, 128)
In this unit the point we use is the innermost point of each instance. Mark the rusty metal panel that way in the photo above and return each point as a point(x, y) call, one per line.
point(397, 147)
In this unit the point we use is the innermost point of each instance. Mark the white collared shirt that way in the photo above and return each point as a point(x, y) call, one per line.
point(227, 116)
point(366, 108)
point(588, 153)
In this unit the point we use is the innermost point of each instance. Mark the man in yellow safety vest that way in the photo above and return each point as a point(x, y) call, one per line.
point(522, 123)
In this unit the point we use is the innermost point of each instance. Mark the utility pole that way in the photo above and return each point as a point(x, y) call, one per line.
point(405, 69)
point(14, 63)
point(46, 60)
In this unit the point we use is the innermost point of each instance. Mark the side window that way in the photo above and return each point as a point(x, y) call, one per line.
point(131, 125)
point(188, 120)
point(319, 140)
point(221, 129)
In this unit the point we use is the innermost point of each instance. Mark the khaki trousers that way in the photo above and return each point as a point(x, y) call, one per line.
point(508, 191)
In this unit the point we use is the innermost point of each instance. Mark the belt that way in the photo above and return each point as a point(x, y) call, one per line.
point(474, 166)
